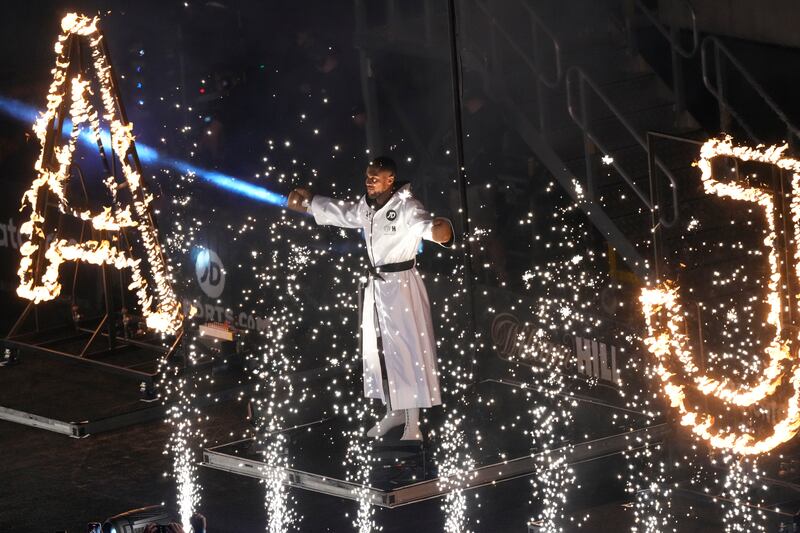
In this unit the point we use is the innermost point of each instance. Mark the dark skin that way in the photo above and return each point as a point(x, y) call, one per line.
point(379, 188)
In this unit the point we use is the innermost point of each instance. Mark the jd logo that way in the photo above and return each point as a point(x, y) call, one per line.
point(210, 273)
point(391, 214)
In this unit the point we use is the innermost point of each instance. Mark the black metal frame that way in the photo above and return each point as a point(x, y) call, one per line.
point(17, 341)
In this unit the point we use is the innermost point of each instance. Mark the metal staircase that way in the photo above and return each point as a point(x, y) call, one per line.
point(570, 80)
point(594, 101)
point(720, 66)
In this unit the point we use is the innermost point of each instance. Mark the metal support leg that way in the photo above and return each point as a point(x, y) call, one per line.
point(94, 336)
point(456, 88)
point(725, 121)
point(678, 88)
point(18, 324)
point(374, 140)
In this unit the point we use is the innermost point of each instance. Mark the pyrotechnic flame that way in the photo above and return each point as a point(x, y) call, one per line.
point(160, 307)
point(667, 340)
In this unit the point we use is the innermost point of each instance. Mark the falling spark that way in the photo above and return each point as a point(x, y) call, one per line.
point(454, 458)
point(741, 479)
point(180, 446)
point(550, 418)
point(277, 361)
point(563, 288)
point(359, 461)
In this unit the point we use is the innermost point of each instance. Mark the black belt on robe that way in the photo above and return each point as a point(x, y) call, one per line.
point(375, 271)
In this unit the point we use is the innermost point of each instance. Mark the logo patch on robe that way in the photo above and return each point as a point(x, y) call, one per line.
point(391, 214)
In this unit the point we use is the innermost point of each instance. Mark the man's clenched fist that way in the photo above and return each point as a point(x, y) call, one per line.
point(300, 200)
point(442, 231)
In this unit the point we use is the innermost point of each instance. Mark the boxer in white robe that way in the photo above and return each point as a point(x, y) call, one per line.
point(397, 340)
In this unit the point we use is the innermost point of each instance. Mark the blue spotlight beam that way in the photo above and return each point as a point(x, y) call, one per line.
point(147, 154)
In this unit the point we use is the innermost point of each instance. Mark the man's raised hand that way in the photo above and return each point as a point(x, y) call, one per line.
point(300, 200)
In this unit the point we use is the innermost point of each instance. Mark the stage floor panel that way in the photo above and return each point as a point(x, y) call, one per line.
point(497, 422)
point(66, 396)
point(67, 390)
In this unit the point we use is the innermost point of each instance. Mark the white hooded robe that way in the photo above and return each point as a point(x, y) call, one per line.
point(397, 307)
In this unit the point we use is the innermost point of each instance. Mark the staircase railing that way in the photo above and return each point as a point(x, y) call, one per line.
point(677, 50)
point(553, 81)
point(578, 86)
point(717, 85)
point(535, 62)
point(672, 33)
point(537, 28)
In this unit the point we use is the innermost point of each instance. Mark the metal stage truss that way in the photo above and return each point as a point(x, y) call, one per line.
point(84, 428)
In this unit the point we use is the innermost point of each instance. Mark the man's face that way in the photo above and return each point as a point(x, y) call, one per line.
point(378, 182)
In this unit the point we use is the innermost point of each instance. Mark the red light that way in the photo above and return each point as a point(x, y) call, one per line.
point(202, 90)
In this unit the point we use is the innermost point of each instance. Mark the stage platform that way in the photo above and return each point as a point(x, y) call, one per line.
point(404, 473)
point(78, 397)
point(89, 346)
point(65, 396)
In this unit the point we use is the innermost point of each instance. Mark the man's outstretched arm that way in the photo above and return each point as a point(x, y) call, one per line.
point(422, 223)
point(326, 211)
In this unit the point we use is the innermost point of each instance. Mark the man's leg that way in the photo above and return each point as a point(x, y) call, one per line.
point(392, 418)
point(410, 417)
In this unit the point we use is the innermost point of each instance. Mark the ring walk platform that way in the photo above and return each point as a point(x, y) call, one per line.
point(70, 398)
point(77, 397)
point(404, 472)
